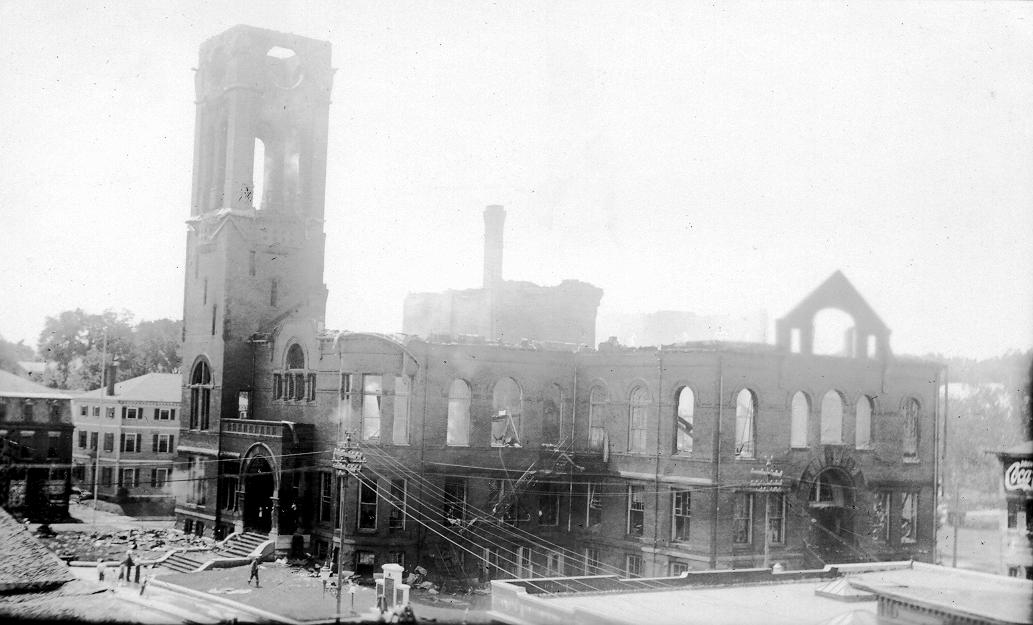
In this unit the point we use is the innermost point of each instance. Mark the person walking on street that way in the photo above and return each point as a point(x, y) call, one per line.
point(254, 573)
point(127, 567)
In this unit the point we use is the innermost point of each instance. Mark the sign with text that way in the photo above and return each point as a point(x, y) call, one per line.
point(1019, 476)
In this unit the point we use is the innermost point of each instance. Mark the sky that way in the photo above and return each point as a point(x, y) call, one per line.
point(714, 158)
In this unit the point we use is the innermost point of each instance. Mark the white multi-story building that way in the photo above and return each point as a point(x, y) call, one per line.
point(125, 442)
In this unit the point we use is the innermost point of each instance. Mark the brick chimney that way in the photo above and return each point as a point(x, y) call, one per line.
point(110, 372)
point(494, 220)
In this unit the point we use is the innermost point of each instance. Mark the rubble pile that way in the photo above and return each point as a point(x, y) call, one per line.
point(112, 545)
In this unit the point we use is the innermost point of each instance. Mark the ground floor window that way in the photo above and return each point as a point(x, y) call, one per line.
point(106, 476)
point(742, 519)
point(909, 518)
point(677, 568)
point(592, 562)
point(634, 565)
point(681, 514)
point(367, 506)
point(188, 526)
point(776, 518)
point(159, 477)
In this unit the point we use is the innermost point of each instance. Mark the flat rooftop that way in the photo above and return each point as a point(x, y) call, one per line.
point(845, 594)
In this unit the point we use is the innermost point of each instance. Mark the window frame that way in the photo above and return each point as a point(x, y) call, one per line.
point(681, 515)
point(909, 499)
point(639, 402)
point(367, 505)
point(368, 398)
point(400, 409)
point(509, 415)
point(911, 426)
point(776, 517)
point(742, 518)
point(398, 495)
point(636, 507)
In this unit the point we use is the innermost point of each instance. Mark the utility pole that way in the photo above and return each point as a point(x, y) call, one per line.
point(771, 483)
point(103, 387)
point(347, 460)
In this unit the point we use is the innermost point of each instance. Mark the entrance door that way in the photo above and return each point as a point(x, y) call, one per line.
point(258, 491)
point(831, 507)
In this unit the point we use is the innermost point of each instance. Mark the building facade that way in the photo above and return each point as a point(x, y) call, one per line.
point(517, 453)
point(125, 442)
point(35, 449)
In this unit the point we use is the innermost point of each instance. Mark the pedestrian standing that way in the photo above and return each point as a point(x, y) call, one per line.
point(254, 573)
point(127, 567)
point(100, 570)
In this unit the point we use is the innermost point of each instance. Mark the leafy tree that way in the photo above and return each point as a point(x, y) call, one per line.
point(75, 341)
point(157, 346)
point(11, 353)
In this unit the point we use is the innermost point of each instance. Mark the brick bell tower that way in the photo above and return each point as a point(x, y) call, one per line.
point(255, 236)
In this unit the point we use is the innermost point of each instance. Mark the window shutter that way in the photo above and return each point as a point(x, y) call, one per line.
point(139, 443)
point(155, 414)
point(172, 414)
point(154, 478)
point(154, 444)
point(172, 446)
point(123, 412)
point(122, 441)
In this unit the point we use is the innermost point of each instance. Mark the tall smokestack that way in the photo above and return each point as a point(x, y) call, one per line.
point(494, 220)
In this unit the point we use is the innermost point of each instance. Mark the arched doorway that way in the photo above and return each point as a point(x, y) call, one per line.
point(259, 485)
point(830, 504)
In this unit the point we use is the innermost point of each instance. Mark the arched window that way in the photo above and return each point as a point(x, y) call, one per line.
point(801, 414)
point(200, 395)
point(684, 410)
point(597, 419)
point(863, 420)
point(294, 375)
point(638, 416)
point(458, 428)
point(745, 423)
point(552, 415)
point(910, 435)
point(832, 418)
point(507, 402)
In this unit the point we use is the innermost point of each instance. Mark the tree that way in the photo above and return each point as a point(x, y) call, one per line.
point(11, 353)
point(157, 346)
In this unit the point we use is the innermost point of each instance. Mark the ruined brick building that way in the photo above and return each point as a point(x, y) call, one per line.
point(498, 440)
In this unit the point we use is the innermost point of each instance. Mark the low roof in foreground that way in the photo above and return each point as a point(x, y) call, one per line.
point(25, 564)
point(759, 596)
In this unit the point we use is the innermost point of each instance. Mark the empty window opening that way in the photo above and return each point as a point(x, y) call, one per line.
point(458, 428)
point(258, 175)
point(801, 411)
point(863, 426)
point(686, 407)
point(280, 53)
point(910, 437)
point(832, 418)
point(794, 340)
point(597, 419)
point(745, 426)
point(507, 402)
point(833, 333)
point(872, 346)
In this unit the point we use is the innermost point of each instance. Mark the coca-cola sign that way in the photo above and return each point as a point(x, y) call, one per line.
point(1019, 475)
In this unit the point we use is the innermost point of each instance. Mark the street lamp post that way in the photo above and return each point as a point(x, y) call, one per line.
point(347, 460)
